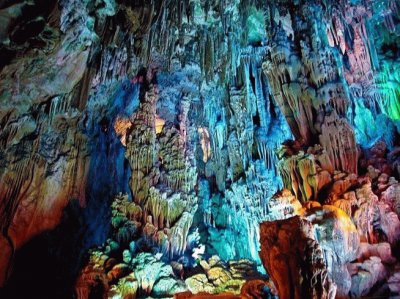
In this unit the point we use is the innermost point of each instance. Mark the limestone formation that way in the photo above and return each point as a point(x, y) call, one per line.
point(295, 260)
point(142, 144)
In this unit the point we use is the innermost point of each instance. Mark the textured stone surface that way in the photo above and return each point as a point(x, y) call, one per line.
point(339, 240)
point(295, 260)
point(366, 275)
point(173, 113)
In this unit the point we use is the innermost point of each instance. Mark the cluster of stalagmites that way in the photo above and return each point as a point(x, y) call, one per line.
point(121, 268)
point(162, 178)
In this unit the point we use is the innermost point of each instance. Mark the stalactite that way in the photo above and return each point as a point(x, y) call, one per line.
point(188, 104)
point(338, 140)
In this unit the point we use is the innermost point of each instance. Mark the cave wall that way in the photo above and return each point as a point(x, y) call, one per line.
point(161, 123)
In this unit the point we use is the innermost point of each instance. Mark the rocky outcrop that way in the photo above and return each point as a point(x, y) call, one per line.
point(295, 260)
point(365, 275)
point(339, 240)
point(372, 268)
point(354, 267)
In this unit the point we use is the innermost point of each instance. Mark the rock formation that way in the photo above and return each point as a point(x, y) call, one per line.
point(143, 143)
point(288, 245)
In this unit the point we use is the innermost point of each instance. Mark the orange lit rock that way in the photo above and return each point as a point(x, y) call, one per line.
point(311, 204)
point(159, 124)
point(344, 205)
point(121, 126)
point(294, 259)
